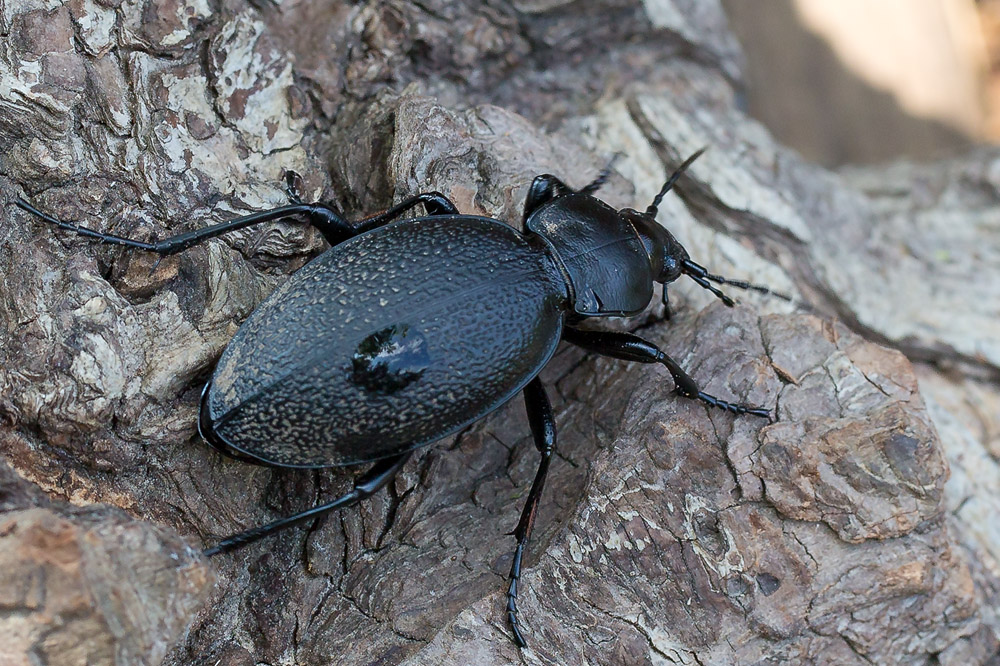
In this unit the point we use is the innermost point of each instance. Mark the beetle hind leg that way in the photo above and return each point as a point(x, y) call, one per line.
point(434, 203)
point(365, 486)
point(543, 430)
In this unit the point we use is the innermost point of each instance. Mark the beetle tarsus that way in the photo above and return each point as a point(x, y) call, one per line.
point(515, 576)
point(732, 407)
point(82, 231)
point(293, 182)
point(323, 217)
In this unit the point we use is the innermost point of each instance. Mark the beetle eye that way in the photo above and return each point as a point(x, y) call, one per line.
point(671, 269)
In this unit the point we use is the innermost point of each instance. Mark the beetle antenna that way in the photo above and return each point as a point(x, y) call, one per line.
point(602, 177)
point(653, 207)
point(705, 284)
point(700, 274)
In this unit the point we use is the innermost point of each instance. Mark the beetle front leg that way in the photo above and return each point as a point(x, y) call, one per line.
point(543, 189)
point(365, 486)
point(633, 348)
point(546, 187)
point(543, 430)
point(602, 177)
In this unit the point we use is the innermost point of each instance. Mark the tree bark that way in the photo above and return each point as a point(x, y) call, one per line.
point(668, 533)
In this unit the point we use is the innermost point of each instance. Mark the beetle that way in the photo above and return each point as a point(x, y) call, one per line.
point(408, 330)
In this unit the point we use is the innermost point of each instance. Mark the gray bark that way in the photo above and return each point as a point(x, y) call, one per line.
point(668, 533)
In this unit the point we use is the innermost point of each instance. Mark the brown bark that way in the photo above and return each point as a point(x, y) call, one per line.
point(668, 533)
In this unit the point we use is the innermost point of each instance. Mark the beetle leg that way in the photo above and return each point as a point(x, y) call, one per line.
point(292, 182)
point(543, 189)
point(543, 429)
point(333, 227)
point(364, 487)
point(633, 348)
point(434, 202)
point(602, 177)
point(546, 187)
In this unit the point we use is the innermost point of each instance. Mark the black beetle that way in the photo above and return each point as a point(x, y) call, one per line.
point(405, 332)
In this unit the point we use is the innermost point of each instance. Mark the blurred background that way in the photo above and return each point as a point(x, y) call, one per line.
point(862, 81)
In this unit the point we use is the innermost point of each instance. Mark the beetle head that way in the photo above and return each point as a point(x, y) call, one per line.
point(668, 258)
point(666, 254)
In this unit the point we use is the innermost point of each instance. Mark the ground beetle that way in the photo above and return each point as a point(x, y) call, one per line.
point(406, 331)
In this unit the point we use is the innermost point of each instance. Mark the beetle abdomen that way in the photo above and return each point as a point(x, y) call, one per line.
point(389, 341)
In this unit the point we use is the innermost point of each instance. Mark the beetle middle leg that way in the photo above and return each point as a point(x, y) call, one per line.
point(631, 347)
point(334, 227)
point(330, 223)
point(365, 486)
point(434, 203)
point(543, 430)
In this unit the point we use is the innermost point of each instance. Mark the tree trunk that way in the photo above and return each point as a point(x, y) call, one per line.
point(668, 532)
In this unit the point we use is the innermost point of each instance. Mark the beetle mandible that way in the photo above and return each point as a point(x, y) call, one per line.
point(352, 360)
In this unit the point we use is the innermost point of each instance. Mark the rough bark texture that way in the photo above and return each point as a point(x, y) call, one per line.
point(90, 586)
point(668, 533)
